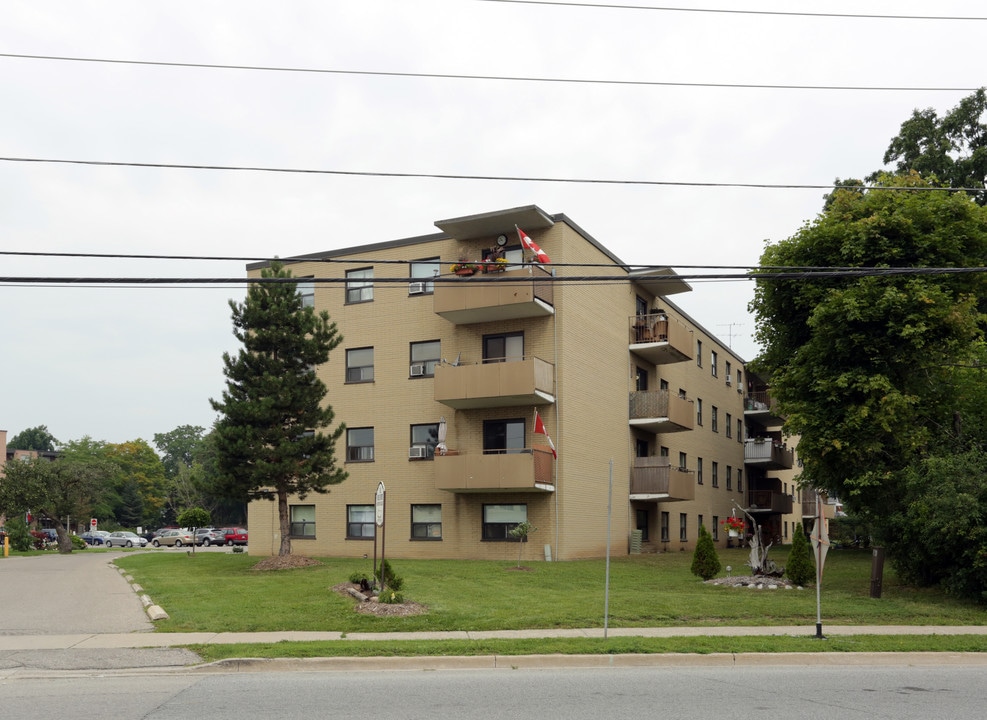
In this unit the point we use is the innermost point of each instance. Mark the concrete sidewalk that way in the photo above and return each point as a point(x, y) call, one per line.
point(105, 641)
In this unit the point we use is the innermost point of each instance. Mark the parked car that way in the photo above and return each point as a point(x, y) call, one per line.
point(96, 537)
point(235, 536)
point(175, 538)
point(209, 536)
point(122, 538)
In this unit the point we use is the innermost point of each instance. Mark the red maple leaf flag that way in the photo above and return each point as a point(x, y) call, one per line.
point(540, 430)
point(540, 255)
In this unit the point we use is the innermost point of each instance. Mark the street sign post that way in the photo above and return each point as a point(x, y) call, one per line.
point(379, 523)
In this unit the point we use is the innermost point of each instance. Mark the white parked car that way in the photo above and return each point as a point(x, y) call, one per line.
point(122, 538)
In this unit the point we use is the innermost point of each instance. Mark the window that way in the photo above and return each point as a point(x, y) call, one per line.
point(728, 371)
point(716, 474)
point(714, 419)
point(713, 363)
point(424, 357)
point(302, 519)
point(663, 385)
point(640, 305)
point(360, 365)
point(422, 272)
point(306, 291)
point(641, 448)
point(663, 451)
point(699, 411)
point(359, 285)
point(699, 471)
point(740, 480)
point(729, 477)
point(664, 526)
point(426, 522)
point(360, 445)
point(425, 437)
point(739, 378)
point(682, 393)
point(716, 527)
point(683, 527)
point(740, 431)
point(729, 425)
point(503, 436)
point(640, 378)
point(359, 521)
point(682, 461)
point(499, 520)
point(699, 353)
point(503, 348)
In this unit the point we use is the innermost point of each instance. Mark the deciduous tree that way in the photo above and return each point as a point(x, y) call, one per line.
point(36, 438)
point(270, 437)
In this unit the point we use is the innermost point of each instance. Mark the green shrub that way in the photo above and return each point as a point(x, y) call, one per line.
point(77, 542)
point(20, 537)
point(387, 577)
point(705, 561)
point(800, 569)
point(391, 597)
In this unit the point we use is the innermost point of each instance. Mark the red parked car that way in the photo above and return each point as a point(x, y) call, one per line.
point(235, 536)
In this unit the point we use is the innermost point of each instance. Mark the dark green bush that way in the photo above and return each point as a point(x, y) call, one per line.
point(391, 597)
point(705, 561)
point(801, 568)
point(387, 577)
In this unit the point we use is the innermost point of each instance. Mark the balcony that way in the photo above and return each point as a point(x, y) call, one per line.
point(659, 340)
point(528, 381)
point(530, 470)
point(759, 408)
point(658, 411)
point(769, 502)
point(768, 454)
point(522, 292)
point(653, 478)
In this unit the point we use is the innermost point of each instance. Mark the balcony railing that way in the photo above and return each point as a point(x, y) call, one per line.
point(528, 470)
point(759, 407)
point(766, 501)
point(659, 339)
point(659, 411)
point(653, 478)
point(525, 381)
point(522, 292)
point(765, 453)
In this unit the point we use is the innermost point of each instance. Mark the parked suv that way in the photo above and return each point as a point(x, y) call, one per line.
point(235, 536)
point(209, 536)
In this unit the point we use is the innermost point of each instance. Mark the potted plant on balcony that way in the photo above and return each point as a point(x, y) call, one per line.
point(733, 525)
point(464, 267)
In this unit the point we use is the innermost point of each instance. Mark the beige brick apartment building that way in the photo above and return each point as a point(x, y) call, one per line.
point(439, 378)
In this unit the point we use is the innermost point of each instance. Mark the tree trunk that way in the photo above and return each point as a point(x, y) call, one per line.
point(285, 523)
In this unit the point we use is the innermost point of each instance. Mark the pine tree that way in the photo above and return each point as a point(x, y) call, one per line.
point(705, 561)
point(269, 441)
point(800, 568)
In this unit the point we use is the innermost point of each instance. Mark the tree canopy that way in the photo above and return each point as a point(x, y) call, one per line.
point(269, 438)
point(36, 438)
point(877, 372)
point(951, 148)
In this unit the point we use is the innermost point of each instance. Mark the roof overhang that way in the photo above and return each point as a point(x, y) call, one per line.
point(528, 218)
point(660, 281)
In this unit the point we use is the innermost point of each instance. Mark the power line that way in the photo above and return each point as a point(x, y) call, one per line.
point(496, 78)
point(442, 279)
point(610, 6)
point(497, 178)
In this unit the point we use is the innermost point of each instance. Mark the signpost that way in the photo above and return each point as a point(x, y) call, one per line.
point(379, 522)
point(820, 543)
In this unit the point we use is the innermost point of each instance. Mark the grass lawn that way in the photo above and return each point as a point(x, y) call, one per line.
point(220, 592)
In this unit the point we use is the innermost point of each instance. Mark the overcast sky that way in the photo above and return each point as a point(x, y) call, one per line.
point(124, 363)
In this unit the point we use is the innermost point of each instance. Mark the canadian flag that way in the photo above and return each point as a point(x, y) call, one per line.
point(540, 430)
point(528, 243)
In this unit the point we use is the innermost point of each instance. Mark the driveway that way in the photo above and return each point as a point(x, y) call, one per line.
point(56, 594)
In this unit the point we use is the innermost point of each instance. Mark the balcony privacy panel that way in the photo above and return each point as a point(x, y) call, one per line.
point(529, 381)
point(660, 411)
point(488, 297)
point(654, 478)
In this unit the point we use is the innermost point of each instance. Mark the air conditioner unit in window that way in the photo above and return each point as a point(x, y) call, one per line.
point(416, 288)
point(417, 370)
point(728, 379)
point(418, 451)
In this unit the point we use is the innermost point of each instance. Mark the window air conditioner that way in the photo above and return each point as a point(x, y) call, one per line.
point(418, 451)
point(728, 379)
point(416, 288)
point(417, 370)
